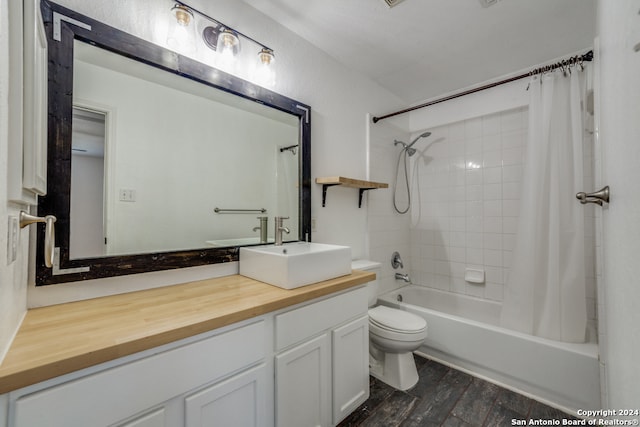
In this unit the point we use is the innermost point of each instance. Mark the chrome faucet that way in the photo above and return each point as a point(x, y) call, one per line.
point(262, 228)
point(405, 277)
point(279, 229)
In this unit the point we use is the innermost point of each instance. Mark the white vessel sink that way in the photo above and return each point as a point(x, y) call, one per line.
point(295, 264)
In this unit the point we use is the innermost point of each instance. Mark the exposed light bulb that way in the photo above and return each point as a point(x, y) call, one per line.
point(228, 43)
point(264, 73)
point(181, 34)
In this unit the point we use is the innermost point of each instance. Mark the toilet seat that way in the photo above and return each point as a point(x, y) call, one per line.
point(394, 320)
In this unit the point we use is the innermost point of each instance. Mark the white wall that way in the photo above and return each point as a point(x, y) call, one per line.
point(340, 100)
point(619, 134)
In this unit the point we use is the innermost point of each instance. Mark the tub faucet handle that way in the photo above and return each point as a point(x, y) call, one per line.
point(396, 261)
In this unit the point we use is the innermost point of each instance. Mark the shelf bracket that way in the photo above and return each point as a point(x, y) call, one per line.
point(361, 193)
point(324, 193)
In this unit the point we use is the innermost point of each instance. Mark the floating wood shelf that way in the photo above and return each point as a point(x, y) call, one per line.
point(363, 186)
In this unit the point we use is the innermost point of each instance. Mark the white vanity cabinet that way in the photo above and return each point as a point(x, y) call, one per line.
point(322, 360)
point(306, 365)
point(218, 373)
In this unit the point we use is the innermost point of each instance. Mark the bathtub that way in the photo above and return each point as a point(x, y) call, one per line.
point(463, 332)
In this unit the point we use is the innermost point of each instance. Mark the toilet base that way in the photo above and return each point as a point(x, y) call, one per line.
point(395, 369)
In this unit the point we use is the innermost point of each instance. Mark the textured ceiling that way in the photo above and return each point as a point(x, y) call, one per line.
point(423, 48)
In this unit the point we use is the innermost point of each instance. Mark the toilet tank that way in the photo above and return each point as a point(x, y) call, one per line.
point(372, 287)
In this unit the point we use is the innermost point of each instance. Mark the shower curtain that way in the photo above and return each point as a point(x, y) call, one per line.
point(545, 289)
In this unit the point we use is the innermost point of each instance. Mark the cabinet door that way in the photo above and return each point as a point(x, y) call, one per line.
point(350, 367)
point(303, 390)
point(239, 401)
point(27, 112)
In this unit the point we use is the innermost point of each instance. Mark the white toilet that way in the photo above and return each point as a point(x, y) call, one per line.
point(393, 336)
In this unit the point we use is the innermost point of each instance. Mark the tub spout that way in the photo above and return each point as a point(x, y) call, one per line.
point(405, 277)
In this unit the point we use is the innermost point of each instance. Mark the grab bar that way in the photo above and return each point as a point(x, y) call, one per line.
point(49, 234)
point(218, 210)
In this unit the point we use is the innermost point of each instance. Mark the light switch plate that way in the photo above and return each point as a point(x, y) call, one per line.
point(12, 239)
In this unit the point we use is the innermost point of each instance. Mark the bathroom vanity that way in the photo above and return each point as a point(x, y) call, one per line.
point(230, 349)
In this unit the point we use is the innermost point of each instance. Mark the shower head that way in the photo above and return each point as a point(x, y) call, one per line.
point(424, 135)
point(407, 147)
point(291, 148)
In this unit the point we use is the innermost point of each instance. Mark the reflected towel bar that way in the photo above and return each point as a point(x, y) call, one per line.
point(218, 210)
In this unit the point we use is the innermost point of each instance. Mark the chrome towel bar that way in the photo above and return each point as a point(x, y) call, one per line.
point(219, 210)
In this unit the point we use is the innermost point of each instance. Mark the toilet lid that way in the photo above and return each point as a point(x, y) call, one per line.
point(396, 320)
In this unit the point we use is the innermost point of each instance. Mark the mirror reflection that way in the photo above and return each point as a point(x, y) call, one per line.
point(163, 163)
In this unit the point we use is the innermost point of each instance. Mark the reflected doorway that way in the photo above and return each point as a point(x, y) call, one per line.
point(87, 226)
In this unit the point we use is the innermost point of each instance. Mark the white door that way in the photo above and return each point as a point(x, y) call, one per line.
point(619, 136)
point(303, 381)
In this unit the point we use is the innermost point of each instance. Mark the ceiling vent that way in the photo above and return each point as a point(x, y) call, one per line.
point(392, 3)
point(487, 3)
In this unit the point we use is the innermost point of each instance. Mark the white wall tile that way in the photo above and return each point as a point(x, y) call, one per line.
point(474, 240)
point(492, 158)
point(513, 139)
point(493, 175)
point(511, 120)
point(491, 124)
point(493, 257)
point(492, 191)
point(467, 216)
point(512, 173)
point(511, 190)
point(473, 128)
point(492, 208)
point(492, 225)
point(473, 145)
point(512, 156)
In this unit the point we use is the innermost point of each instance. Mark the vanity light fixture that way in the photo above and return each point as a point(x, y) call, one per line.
point(225, 41)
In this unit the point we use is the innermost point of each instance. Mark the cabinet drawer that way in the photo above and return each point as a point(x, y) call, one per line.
point(114, 394)
point(307, 321)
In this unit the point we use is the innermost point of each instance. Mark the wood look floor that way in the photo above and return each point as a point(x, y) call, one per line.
point(449, 398)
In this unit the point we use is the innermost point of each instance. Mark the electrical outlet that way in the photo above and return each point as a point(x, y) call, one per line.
point(127, 195)
point(13, 239)
point(314, 224)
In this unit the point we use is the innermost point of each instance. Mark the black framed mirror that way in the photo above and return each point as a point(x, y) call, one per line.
point(179, 188)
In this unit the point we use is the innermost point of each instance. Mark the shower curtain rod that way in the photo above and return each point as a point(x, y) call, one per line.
point(565, 63)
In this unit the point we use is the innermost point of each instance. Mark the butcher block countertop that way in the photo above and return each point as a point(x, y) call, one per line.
point(60, 339)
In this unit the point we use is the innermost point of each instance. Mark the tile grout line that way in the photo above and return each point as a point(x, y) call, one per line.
point(490, 411)
point(451, 414)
